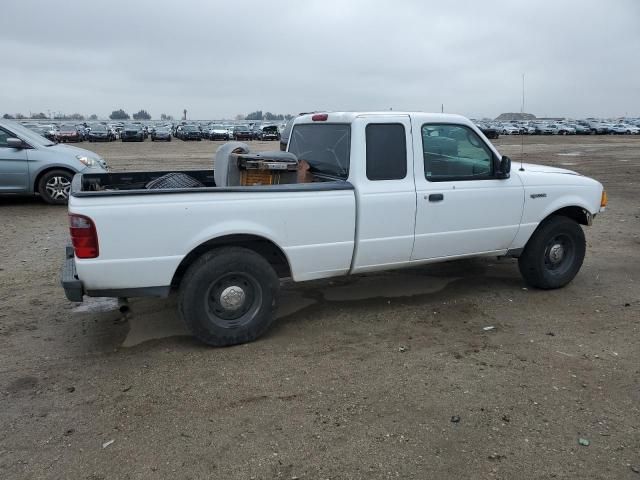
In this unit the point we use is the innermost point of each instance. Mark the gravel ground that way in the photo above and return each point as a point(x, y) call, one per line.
point(379, 376)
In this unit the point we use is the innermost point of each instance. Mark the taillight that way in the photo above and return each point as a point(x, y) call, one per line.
point(83, 236)
point(320, 117)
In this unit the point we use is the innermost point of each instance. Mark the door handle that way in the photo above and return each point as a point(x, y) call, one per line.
point(435, 197)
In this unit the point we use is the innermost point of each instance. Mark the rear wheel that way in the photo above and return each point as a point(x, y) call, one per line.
point(54, 186)
point(554, 254)
point(228, 296)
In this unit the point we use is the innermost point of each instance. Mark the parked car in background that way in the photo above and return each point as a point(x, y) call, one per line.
point(580, 129)
point(242, 132)
point(269, 132)
point(489, 132)
point(218, 132)
point(69, 133)
point(544, 129)
point(31, 164)
point(132, 133)
point(100, 133)
point(285, 134)
point(510, 130)
point(161, 133)
point(598, 128)
point(190, 132)
point(619, 129)
point(39, 129)
point(562, 129)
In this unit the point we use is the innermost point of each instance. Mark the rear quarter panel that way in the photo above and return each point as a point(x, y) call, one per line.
point(143, 238)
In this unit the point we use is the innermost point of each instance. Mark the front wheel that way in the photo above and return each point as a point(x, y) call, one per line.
point(554, 254)
point(228, 296)
point(54, 187)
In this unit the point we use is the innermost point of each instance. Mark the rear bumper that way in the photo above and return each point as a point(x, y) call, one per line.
point(74, 288)
point(72, 285)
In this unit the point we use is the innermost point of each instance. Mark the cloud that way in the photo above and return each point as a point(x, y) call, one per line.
point(218, 59)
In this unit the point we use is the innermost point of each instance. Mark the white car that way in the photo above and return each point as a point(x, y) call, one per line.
point(219, 132)
point(510, 130)
point(354, 193)
point(622, 129)
point(562, 129)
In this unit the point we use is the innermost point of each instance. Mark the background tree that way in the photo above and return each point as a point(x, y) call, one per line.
point(142, 115)
point(76, 116)
point(39, 116)
point(240, 117)
point(93, 117)
point(19, 116)
point(6, 116)
point(164, 116)
point(119, 115)
point(257, 115)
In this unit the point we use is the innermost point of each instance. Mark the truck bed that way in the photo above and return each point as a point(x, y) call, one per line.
point(135, 183)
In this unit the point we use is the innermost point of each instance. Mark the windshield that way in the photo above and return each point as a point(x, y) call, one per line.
point(26, 135)
point(99, 128)
point(133, 127)
point(325, 147)
point(189, 128)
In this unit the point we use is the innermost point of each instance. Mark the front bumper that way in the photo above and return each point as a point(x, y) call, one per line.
point(72, 285)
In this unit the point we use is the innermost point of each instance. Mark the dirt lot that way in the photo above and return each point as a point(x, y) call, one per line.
point(361, 377)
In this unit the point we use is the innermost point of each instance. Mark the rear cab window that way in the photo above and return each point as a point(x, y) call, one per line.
point(326, 147)
point(386, 151)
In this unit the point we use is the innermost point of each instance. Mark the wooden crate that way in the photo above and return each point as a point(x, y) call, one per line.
point(258, 177)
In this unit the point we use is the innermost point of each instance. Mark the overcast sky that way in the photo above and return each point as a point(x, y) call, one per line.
point(221, 58)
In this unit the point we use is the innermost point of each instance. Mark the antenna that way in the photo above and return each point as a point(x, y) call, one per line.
point(522, 134)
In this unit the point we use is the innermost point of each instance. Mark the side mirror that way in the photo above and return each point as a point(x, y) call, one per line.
point(16, 143)
point(504, 167)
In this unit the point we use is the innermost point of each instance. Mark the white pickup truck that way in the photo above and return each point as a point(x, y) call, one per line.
point(383, 190)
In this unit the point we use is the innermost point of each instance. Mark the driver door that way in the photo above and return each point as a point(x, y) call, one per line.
point(463, 208)
point(14, 167)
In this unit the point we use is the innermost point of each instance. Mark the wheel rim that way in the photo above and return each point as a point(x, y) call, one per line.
point(559, 254)
point(58, 188)
point(233, 299)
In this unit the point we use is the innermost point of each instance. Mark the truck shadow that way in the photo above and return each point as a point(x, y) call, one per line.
point(152, 319)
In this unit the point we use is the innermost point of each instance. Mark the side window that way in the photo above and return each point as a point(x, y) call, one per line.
point(3, 138)
point(455, 152)
point(386, 151)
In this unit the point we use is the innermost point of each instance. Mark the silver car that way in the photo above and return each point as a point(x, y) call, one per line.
point(30, 164)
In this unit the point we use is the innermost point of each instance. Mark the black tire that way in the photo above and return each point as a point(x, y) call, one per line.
point(201, 301)
point(554, 254)
point(54, 186)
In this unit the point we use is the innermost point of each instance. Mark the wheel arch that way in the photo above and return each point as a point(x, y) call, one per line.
point(47, 169)
point(579, 214)
point(261, 245)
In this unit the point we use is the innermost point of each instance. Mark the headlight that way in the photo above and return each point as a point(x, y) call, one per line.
point(87, 161)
